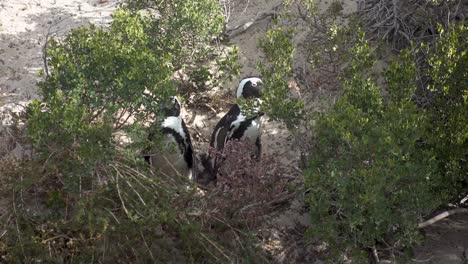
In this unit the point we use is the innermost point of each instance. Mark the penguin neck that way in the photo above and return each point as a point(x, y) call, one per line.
point(174, 123)
point(254, 110)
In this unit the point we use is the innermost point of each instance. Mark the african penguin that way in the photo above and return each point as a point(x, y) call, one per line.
point(235, 124)
point(250, 87)
point(175, 154)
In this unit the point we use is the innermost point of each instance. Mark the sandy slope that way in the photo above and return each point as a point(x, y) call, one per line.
point(24, 25)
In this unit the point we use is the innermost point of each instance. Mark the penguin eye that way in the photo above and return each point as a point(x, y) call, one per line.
point(254, 84)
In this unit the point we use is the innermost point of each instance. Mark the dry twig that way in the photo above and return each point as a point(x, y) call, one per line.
point(241, 28)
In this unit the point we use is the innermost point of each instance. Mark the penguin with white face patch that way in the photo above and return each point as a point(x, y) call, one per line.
point(175, 155)
point(236, 124)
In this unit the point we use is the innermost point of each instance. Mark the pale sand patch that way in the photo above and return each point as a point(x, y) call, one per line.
point(24, 25)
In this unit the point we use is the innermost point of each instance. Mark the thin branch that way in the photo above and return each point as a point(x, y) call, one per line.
point(375, 254)
point(44, 52)
point(216, 246)
point(215, 113)
point(129, 111)
point(17, 226)
point(146, 245)
point(137, 193)
point(245, 9)
point(120, 196)
point(113, 215)
point(278, 200)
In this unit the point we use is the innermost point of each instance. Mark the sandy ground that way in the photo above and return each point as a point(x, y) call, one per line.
point(24, 25)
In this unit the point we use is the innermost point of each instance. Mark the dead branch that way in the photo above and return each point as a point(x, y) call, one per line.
point(199, 134)
point(215, 113)
point(401, 22)
point(278, 200)
point(44, 52)
point(441, 216)
point(241, 28)
point(375, 255)
point(226, 9)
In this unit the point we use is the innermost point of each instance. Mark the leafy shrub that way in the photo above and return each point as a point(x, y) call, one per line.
point(276, 73)
point(184, 28)
point(99, 79)
point(84, 198)
point(66, 141)
point(110, 71)
point(448, 109)
point(327, 37)
point(190, 33)
point(380, 162)
point(370, 179)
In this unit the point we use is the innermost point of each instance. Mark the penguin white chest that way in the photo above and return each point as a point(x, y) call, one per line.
point(253, 131)
point(169, 159)
point(174, 122)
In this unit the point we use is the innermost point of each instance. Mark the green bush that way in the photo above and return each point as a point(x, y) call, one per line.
point(110, 70)
point(184, 29)
point(98, 80)
point(276, 74)
point(447, 73)
point(67, 142)
point(372, 176)
point(190, 32)
point(85, 198)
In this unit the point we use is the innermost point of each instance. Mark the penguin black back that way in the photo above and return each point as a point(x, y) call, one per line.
point(222, 128)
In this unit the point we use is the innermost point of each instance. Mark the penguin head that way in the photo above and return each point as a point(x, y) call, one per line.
point(250, 87)
point(172, 107)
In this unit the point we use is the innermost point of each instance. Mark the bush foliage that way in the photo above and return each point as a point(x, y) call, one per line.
point(276, 73)
point(110, 70)
point(190, 32)
point(84, 197)
point(99, 80)
point(376, 168)
point(448, 111)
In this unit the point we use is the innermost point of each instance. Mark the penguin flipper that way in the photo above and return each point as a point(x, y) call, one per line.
point(220, 138)
point(220, 133)
point(258, 149)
